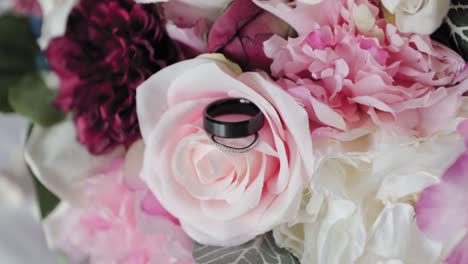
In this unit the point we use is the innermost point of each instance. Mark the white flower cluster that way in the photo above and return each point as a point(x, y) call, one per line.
point(360, 205)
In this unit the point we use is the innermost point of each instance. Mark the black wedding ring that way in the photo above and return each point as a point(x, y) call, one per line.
point(233, 129)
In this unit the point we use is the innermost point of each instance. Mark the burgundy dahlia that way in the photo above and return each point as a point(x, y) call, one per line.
point(109, 48)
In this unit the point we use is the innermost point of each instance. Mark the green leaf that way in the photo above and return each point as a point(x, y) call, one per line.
point(18, 49)
point(46, 199)
point(6, 81)
point(262, 250)
point(454, 31)
point(31, 98)
point(18, 46)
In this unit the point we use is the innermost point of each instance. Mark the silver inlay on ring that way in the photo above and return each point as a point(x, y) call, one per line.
point(223, 147)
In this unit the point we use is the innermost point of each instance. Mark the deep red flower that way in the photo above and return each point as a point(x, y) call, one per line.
point(109, 48)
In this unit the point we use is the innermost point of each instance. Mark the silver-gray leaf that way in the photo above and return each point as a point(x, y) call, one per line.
point(262, 250)
point(454, 31)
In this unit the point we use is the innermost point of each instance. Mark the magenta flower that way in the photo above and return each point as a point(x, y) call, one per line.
point(442, 210)
point(109, 48)
point(238, 32)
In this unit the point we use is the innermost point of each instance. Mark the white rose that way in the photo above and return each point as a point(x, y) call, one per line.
point(418, 16)
point(359, 209)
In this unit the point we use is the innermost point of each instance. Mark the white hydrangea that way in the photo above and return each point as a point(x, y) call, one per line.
point(359, 208)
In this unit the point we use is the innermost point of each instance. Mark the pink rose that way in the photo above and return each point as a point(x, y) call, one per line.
point(222, 198)
point(238, 31)
point(117, 221)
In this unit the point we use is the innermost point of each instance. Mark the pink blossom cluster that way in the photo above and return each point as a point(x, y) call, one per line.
point(350, 79)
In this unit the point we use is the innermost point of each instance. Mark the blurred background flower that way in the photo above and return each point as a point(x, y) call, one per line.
point(238, 30)
point(22, 239)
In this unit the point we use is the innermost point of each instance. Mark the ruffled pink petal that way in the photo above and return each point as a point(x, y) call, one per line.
point(344, 77)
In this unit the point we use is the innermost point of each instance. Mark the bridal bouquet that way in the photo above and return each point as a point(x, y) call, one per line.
point(244, 131)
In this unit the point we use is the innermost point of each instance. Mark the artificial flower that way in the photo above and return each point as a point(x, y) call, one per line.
point(360, 205)
point(238, 31)
point(108, 49)
point(112, 222)
point(442, 211)
point(354, 71)
point(418, 16)
point(209, 190)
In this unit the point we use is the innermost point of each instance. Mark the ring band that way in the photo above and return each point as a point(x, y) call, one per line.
point(238, 129)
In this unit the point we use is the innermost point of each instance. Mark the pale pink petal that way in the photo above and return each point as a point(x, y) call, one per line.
point(442, 208)
point(303, 17)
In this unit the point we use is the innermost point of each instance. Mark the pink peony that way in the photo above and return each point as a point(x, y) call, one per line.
point(442, 209)
point(222, 198)
point(116, 223)
point(108, 49)
point(352, 71)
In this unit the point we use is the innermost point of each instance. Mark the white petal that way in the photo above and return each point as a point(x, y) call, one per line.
point(59, 161)
point(396, 236)
point(310, 2)
point(209, 4)
point(391, 5)
point(407, 170)
point(426, 21)
point(55, 16)
point(5, 5)
point(363, 18)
